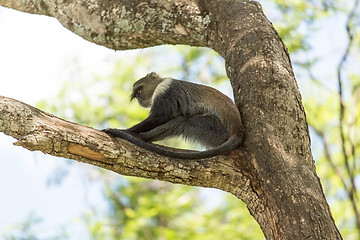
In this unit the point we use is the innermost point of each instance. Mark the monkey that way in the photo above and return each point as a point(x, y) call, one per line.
point(180, 108)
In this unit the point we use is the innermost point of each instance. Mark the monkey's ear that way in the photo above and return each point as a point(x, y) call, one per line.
point(153, 75)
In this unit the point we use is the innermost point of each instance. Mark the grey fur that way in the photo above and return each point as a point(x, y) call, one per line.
point(180, 108)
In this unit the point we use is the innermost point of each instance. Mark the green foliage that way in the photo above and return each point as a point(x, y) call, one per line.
point(99, 101)
point(337, 159)
point(323, 117)
point(142, 209)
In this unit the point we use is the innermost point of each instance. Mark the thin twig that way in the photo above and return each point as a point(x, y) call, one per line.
point(350, 170)
point(348, 189)
point(330, 159)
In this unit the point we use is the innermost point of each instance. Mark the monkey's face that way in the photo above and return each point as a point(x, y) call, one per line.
point(142, 96)
point(144, 88)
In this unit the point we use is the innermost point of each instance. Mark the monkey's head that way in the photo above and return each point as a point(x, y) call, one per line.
point(144, 88)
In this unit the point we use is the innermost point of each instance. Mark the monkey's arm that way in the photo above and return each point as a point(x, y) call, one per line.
point(148, 124)
point(163, 110)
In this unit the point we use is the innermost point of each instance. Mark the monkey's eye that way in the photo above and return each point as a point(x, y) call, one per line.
point(139, 91)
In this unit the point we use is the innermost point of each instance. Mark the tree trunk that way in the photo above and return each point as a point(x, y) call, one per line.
point(273, 172)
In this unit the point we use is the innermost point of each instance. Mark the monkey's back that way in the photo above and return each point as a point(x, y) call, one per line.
point(203, 98)
point(211, 117)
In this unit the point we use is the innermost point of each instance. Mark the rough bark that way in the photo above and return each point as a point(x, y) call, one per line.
point(273, 173)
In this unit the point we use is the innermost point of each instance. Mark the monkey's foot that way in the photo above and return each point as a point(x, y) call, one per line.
point(121, 133)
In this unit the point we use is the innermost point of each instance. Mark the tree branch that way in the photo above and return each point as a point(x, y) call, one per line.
point(39, 131)
point(115, 24)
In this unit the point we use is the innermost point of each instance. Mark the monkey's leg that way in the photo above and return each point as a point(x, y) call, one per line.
point(168, 129)
point(206, 129)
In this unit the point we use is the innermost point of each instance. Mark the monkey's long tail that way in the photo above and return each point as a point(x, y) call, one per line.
point(233, 142)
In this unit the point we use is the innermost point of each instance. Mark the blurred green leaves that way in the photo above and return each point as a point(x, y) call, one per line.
point(142, 209)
